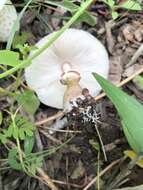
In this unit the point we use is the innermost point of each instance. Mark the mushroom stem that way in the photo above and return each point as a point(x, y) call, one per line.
point(73, 89)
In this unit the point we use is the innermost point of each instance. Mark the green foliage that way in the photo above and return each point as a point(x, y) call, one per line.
point(84, 5)
point(94, 144)
point(138, 80)
point(19, 128)
point(28, 101)
point(73, 8)
point(130, 111)
point(33, 164)
point(133, 5)
point(30, 163)
point(9, 58)
point(29, 144)
point(25, 49)
point(20, 39)
point(13, 159)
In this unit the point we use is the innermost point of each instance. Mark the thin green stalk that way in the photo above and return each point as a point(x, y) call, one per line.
point(18, 143)
point(26, 62)
point(20, 155)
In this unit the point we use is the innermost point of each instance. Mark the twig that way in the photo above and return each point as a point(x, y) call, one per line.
point(51, 118)
point(136, 55)
point(102, 173)
point(50, 137)
point(65, 183)
point(46, 179)
point(121, 83)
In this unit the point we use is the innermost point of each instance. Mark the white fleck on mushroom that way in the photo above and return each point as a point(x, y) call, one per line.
point(60, 73)
point(8, 16)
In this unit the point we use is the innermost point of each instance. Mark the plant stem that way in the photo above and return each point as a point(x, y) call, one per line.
point(26, 62)
point(20, 155)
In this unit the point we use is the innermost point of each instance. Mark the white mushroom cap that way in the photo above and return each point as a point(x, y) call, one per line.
point(8, 16)
point(81, 50)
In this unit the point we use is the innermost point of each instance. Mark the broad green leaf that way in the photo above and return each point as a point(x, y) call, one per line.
point(9, 58)
point(28, 144)
point(28, 101)
point(131, 5)
point(130, 111)
point(114, 15)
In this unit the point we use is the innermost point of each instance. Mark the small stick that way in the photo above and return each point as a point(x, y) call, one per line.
point(136, 55)
point(102, 173)
point(65, 183)
point(121, 83)
point(51, 118)
point(47, 179)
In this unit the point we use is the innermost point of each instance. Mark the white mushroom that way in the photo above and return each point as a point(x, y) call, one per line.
point(70, 61)
point(8, 16)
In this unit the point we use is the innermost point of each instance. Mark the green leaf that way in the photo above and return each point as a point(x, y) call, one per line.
point(114, 15)
point(13, 159)
point(21, 39)
point(66, 4)
point(3, 138)
point(94, 144)
point(131, 5)
point(111, 3)
point(28, 101)
point(34, 164)
point(106, 2)
point(21, 128)
point(9, 58)
point(69, 6)
point(138, 80)
point(28, 144)
point(88, 18)
point(130, 111)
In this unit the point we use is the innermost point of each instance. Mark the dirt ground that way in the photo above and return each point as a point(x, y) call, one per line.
point(76, 164)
